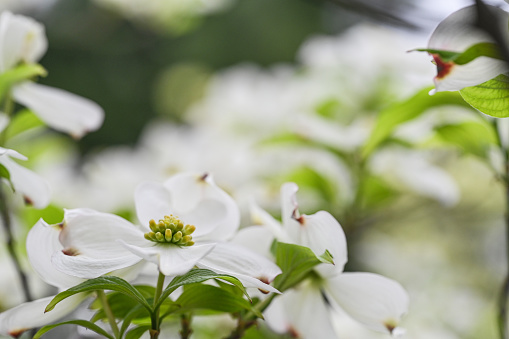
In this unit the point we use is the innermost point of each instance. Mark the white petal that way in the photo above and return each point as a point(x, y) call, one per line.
point(198, 201)
point(91, 247)
point(289, 205)
point(456, 33)
point(252, 269)
point(373, 300)
point(255, 238)
point(42, 243)
point(59, 109)
point(31, 315)
point(152, 201)
point(261, 217)
point(22, 39)
point(34, 189)
point(305, 313)
point(172, 260)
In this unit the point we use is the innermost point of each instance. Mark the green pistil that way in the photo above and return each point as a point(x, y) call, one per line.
point(170, 230)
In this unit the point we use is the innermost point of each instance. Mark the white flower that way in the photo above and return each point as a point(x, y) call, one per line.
point(373, 300)
point(22, 40)
point(456, 33)
point(97, 243)
point(42, 243)
point(34, 189)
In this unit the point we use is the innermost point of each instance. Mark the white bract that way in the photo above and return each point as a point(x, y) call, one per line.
point(32, 187)
point(22, 40)
point(42, 243)
point(456, 34)
point(97, 243)
point(373, 300)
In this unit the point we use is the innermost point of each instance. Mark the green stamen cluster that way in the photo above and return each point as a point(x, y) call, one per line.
point(170, 230)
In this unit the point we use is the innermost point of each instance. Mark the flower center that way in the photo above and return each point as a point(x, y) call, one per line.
point(170, 230)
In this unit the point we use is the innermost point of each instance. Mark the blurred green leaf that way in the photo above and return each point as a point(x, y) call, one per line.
point(374, 192)
point(296, 262)
point(4, 173)
point(120, 303)
point(84, 323)
point(490, 97)
point(18, 74)
point(405, 111)
point(24, 120)
point(101, 283)
point(134, 313)
point(470, 137)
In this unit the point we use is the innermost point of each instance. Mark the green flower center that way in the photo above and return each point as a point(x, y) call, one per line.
point(170, 230)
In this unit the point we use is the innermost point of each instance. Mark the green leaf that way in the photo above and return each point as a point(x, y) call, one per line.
point(83, 323)
point(101, 283)
point(120, 303)
point(18, 74)
point(197, 276)
point(490, 97)
point(24, 120)
point(201, 296)
point(134, 313)
point(296, 262)
point(470, 137)
point(4, 173)
point(486, 49)
point(326, 257)
point(137, 332)
point(405, 111)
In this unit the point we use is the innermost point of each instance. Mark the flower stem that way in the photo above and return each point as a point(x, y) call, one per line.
point(11, 245)
point(109, 313)
point(154, 331)
point(186, 331)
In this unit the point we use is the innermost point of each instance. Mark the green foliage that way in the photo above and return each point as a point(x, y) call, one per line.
point(4, 173)
point(296, 262)
point(201, 296)
point(121, 304)
point(101, 283)
point(374, 192)
point(486, 49)
point(18, 74)
point(490, 97)
point(22, 121)
point(197, 276)
point(407, 110)
point(84, 323)
point(470, 137)
point(137, 332)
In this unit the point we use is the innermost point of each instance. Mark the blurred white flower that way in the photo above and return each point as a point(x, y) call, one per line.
point(456, 34)
point(411, 168)
point(22, 40)
point(34, 189)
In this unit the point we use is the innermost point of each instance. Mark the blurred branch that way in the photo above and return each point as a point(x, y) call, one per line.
point(5, 220)
point(376, 10)
point(489, 22)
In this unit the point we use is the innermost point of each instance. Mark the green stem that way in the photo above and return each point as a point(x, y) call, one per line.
point(185, 322)
point(8, 110)
point(154, 331)
point(109, 313)
point(11, 245)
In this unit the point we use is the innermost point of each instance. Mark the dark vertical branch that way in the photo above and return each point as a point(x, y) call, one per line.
point(490, 23)
point(10, 242)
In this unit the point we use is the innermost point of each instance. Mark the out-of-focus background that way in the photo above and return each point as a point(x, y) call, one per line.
point(263, 92)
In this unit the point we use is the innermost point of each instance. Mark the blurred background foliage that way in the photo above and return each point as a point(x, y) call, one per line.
point(138, 66)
